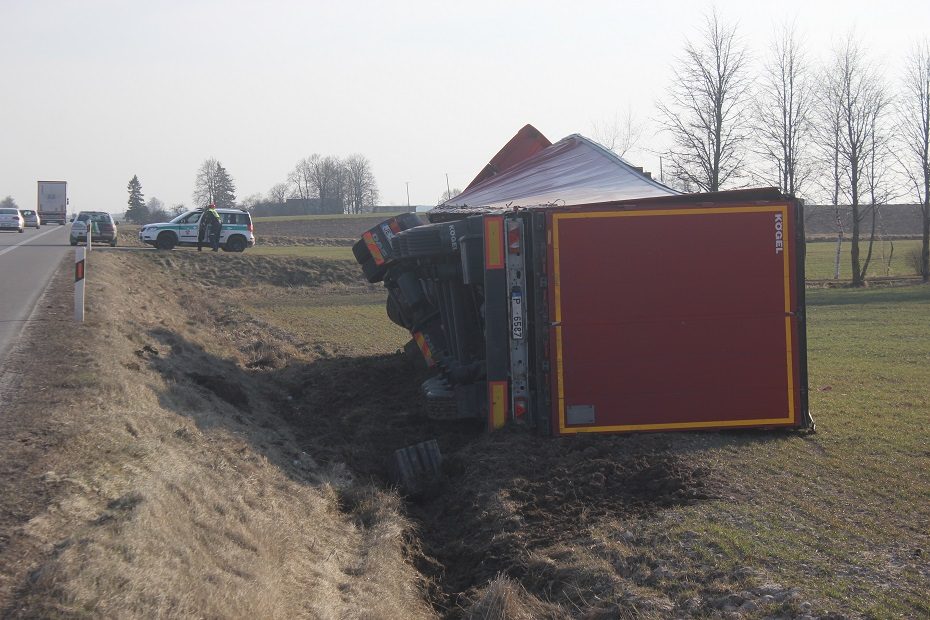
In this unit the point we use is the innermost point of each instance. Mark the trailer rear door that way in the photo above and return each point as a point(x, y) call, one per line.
point(675, 318)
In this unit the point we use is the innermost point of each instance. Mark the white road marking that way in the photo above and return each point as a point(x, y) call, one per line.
point(13, 247)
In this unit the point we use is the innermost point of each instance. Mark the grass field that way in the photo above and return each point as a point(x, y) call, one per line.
point(343, 323)
point(845, 512)
point(888, 258)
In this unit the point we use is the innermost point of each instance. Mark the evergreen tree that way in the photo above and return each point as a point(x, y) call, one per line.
point(137, 211)
point(225, 189)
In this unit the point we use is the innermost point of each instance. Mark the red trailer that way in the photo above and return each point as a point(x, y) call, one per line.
point(573, 293)
point(696, 322)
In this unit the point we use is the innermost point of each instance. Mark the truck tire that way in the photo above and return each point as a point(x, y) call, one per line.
point(166, 241)
point(360, 251)
point(417, 467)
point(394, 312)
point(373, 272)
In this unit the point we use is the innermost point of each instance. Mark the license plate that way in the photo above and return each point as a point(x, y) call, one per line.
point(516, 315)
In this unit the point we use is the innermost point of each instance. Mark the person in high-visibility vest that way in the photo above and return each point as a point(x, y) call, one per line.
point(210, 227)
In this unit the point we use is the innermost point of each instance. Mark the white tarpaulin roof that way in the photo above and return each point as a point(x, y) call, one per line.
point(573, 171)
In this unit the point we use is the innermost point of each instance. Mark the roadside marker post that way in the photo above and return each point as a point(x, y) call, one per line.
point(80, 258)
point(91, 229)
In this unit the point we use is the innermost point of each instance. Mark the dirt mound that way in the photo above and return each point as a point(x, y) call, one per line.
point(511, 494)
point(506, 500)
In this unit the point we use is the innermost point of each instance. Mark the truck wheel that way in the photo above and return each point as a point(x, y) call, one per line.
point(393, 311)
point(415, 468)
point(166, 241)
point(360, 250)
point(373, 272)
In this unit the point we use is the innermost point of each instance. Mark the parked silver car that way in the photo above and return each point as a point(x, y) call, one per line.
point(30, 218)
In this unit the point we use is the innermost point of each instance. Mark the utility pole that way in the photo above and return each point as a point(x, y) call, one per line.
point(407, 183)
point(448, 190)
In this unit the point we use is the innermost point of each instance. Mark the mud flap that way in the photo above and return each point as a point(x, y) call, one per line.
point(416, 467)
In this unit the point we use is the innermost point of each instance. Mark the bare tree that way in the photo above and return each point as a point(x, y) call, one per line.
point(320, 177)
point(827, 133)
point(206, 183)
point(214, 185)
point(279, 193)
point(449, 194)
point(708, 114)
point(361, 186)
point(326, 176)
point(248, 203)
point(914, 130)
point(301, 179)
point(618, 134)
point(856, 98)
point(783, 110)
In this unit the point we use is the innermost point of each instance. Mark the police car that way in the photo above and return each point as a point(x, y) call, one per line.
point(235, 236)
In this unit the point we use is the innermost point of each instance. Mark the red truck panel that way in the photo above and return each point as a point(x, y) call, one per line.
point(673, 318)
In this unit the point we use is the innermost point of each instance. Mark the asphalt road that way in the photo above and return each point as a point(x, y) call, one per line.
point(27, 261)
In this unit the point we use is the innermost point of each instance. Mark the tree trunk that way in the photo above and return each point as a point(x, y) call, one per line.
point(868, 256)
point(836, 259)
point(854, 248)
point(925, 246)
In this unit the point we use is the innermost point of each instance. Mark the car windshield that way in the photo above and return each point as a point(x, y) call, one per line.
point(28, 212)
point(9, 211)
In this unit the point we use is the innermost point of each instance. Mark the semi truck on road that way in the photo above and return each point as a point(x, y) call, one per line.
point(568, 291)
point(53, 201)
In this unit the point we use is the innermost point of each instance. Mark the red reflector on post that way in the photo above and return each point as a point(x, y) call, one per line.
point(519, 407)
point(513, 237)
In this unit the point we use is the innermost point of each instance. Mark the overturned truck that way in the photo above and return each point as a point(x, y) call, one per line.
point(570, 292)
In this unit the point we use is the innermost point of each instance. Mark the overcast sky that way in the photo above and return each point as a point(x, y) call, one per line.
point(93, 92)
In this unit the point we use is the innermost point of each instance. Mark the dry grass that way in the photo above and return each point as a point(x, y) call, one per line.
point(175, 498)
